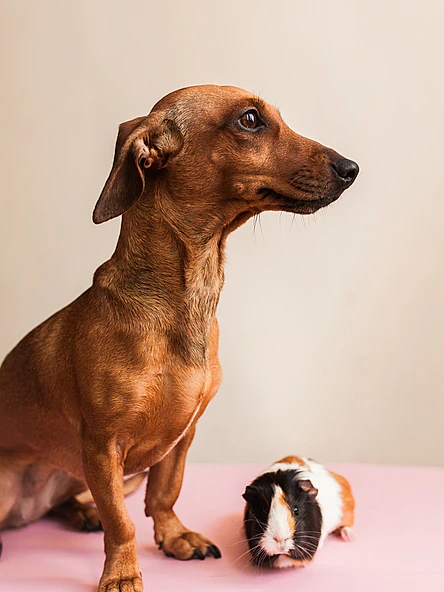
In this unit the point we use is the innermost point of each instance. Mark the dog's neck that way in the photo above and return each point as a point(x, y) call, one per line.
point(160, 275)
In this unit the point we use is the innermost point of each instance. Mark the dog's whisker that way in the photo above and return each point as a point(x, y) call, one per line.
point(260, 226)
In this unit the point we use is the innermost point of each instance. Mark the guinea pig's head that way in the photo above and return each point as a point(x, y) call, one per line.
point(283, 520)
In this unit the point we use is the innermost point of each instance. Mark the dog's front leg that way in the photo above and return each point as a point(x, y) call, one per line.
point(104, 471)
point(163, 488)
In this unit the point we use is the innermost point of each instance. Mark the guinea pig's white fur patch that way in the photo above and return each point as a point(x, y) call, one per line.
point(278, 536)
point(329, 492)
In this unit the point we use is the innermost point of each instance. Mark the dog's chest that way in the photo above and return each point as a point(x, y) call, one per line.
point(168, 412)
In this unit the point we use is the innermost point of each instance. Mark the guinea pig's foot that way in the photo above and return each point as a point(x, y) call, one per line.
point(284, 561)
point(346, 534)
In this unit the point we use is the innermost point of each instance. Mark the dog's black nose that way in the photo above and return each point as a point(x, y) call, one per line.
point(346, 169)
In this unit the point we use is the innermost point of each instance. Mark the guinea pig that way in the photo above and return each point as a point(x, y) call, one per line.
point(291, 508)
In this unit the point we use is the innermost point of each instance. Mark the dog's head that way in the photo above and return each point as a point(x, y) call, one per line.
point(221, 152)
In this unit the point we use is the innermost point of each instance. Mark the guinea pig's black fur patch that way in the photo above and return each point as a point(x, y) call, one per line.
point(259, 495)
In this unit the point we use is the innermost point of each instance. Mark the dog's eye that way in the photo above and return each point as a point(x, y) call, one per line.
point(250, 120)
point(296, 510)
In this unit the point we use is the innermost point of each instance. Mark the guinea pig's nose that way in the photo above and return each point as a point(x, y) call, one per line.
point(346, 169)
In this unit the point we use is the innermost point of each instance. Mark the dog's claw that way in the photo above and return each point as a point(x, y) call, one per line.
point(197, 554)
point(160, 545)
point(214, 551)
point(89, 527)
point(123, 585)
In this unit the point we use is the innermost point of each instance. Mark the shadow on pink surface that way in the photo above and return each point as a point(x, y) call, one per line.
point(399, 526)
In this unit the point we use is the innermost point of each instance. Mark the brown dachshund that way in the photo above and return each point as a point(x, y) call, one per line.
point(116, 381)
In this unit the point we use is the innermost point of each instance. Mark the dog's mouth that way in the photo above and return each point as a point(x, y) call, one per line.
point(278, 201)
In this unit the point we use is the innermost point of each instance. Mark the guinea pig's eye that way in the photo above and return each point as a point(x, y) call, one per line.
point(296, 510)
point(250, 120)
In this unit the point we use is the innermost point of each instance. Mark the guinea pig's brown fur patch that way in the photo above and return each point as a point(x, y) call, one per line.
point(348, 501)
point(294, 460)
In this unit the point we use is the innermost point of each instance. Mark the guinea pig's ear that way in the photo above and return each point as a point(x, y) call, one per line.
point(142, 143)
point(307, 486)
point(251, 494)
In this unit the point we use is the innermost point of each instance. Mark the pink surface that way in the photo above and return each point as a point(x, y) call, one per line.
point(399, 540)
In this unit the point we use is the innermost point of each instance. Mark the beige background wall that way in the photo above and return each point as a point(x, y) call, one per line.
point(332, 327)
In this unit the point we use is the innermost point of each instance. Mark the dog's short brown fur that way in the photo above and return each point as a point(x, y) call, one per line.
point(116, 381)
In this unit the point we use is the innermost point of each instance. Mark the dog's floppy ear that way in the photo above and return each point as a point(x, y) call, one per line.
point(142, 143)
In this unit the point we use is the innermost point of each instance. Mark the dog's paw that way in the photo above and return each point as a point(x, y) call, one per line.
point(121, 572)
point(121, 585)
point(80, 516)
point(91, 522)
point(189, 545)
point(85, 518)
